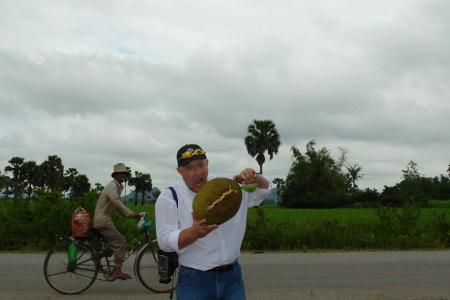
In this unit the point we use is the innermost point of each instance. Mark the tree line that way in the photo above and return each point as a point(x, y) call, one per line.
point(315, 179)
point(27, 179)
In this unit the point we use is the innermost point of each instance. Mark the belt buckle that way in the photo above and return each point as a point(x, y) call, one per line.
point(221, 269)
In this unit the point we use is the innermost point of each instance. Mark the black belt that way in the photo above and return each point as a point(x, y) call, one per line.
point(221, 269)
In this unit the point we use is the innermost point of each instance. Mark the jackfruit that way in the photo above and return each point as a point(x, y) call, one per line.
point(217, 201)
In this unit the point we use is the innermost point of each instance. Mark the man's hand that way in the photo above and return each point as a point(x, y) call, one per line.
point(249, 176)
point(198, 230)
point(136, 216)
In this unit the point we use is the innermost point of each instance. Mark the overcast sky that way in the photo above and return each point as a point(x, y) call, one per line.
point(101, 82)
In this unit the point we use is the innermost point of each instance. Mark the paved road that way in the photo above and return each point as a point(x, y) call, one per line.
point(420, 275)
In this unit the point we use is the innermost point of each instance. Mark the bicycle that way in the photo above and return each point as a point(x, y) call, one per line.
point(75, 278)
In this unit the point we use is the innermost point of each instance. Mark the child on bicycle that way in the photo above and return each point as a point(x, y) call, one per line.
point(109, 201)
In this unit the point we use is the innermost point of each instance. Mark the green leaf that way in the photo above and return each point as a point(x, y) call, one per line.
point(249, 187)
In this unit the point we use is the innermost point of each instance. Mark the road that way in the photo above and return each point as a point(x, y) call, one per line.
point(421, 275)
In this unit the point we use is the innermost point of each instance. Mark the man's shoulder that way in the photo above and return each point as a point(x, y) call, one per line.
point(112, 184)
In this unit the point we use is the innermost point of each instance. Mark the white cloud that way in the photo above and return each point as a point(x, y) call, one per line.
point(107, 81)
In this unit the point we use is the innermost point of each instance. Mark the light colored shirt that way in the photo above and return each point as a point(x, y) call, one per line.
point(109, 201)
point(221, 246)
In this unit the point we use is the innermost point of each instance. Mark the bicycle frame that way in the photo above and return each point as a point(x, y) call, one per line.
point(141, 240)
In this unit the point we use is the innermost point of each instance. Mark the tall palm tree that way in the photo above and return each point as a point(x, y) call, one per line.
point(30, 177)
point(354, 174)
point(262, 136)
point(280, 183)
point(53, 172)
point(136, 181)
point(16, 168)
point(146, 185)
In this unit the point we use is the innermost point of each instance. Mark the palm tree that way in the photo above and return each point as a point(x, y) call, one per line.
point(354, 174)
point(136, 181)
point(30, 177)
point(280, 183)
point(16, 168)
point(5, 184)
point(146, 185)
point(53, 172)
point(262, 136)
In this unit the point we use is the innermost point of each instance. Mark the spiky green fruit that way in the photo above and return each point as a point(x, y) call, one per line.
point(217, 201)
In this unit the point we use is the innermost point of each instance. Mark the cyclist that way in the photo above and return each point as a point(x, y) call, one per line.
point(109, 201)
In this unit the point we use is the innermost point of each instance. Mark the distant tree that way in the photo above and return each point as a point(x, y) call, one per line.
point(31, 176)
point(146, 186)
point(69, 177)
point(262, 136)
point(414, 188)
point(411, 172)
point(53, 173)
point(354, 172)
point(80, 186)
point(315, 179)
point(135, 181)
point(5, 184)
point(15, 167)
point(142, 183)
point(98, 188)
point(280, 183)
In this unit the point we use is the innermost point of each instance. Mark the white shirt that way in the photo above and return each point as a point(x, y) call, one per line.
point(221, 246)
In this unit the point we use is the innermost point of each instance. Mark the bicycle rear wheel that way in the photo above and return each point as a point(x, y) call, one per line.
point(148, 272)
point(67, 280)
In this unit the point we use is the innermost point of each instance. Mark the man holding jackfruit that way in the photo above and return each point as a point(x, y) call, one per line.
point(208, 254)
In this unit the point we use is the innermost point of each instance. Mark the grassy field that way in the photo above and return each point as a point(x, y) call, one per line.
point(271, 228)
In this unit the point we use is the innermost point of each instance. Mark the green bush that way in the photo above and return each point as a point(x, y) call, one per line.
point(33, 226)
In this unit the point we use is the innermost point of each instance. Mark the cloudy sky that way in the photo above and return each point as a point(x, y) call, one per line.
point(101, 82)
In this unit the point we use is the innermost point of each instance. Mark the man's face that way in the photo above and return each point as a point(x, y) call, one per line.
point(120, 176)
point(195, 174)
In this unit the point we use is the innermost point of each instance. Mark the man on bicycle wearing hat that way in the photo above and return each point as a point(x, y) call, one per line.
point(107, 203)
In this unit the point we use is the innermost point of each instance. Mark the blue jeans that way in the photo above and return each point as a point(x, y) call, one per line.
point(205, 285)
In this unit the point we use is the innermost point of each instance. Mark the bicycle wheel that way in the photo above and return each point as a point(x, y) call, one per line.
point(67, 280)
point(148, 272)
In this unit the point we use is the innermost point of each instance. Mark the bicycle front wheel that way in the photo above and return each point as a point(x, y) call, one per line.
point(148, 272)
point(66, 279)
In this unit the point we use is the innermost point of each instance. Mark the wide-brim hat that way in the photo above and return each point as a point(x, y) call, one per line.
point(188, 153)
point(120, 168)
